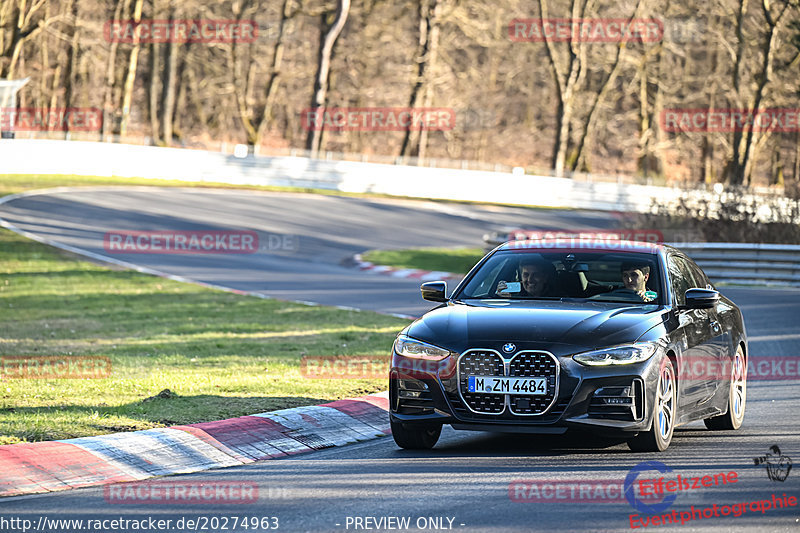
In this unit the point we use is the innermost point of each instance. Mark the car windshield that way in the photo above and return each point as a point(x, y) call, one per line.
point(595, 276)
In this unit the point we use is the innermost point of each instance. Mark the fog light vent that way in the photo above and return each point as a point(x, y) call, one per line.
point(619, 402)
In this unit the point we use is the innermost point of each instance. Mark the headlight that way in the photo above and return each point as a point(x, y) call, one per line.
point(618, 355)
point(419, 350)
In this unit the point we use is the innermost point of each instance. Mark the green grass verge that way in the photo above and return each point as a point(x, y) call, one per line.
point(221, 355)
point(16, 183)
point(458, 261)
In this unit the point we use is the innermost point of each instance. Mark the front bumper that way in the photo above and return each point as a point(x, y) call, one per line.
point(614, 400)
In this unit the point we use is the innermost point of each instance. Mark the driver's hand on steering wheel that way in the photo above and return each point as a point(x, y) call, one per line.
point(643, 295)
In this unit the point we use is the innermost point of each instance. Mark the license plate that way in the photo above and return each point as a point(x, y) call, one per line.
point(502, 385)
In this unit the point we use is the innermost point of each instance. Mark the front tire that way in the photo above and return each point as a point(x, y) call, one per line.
point(415, 436)
point(737, 397)
point(658, 438)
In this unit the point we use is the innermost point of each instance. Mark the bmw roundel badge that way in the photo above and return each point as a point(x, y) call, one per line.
point(509, 347)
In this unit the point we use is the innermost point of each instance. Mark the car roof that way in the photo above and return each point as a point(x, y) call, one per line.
point(583, 245)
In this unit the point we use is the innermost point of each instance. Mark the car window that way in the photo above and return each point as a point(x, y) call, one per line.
point(486, 284)
point(698, 276)
point(693, 274)
point(680, 277)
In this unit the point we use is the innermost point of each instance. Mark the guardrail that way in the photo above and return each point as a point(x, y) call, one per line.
point(730, 262)
point(747, 264)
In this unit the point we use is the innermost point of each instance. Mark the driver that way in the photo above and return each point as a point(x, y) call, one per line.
point(634, 278)
point(537, 277)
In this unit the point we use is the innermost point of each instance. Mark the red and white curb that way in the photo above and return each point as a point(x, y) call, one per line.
point(413, 273)
point(29, 468)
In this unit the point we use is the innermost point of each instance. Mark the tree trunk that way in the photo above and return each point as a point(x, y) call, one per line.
point(565, 89)
point(72, 55)
point(327, 41)
point(180, 101)
point(44, 53)
point(14, 16)
point(241, 90)
point(130, 78)
point(743, 168)
point(169, 92)
point(275, 72)
point(599, 97)
point(796, 174)
point(155, 76)
point(645, 130)
point(415, 141)
point(12, 50)
point(111, 78)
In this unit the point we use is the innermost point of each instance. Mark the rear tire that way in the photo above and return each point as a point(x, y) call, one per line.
point(737, 397)
point(658, 438)
point(416, 436)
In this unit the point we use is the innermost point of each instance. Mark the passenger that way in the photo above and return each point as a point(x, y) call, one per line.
point(537, 278)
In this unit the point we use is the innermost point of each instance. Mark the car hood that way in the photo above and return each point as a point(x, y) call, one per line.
point(552, 325)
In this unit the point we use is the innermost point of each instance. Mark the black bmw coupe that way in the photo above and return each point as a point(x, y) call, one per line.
point(624, 339)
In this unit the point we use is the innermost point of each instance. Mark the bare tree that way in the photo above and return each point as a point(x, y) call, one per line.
point(133, 63)
point(567, 78)
point(19, 21)
point(256, 117)
point(430, 11)
point(598, 97)
point(328, 35)
point(743, 142)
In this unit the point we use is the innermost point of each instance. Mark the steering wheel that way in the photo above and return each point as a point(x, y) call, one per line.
point(621, 292)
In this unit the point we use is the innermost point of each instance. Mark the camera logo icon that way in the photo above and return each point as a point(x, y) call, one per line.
point(778, 465)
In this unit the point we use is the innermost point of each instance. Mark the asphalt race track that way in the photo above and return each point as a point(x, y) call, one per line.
point(467, 483)
point(322, 231)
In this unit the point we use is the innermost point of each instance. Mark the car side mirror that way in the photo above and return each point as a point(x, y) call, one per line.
point(701, 299)
point(434, 291)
